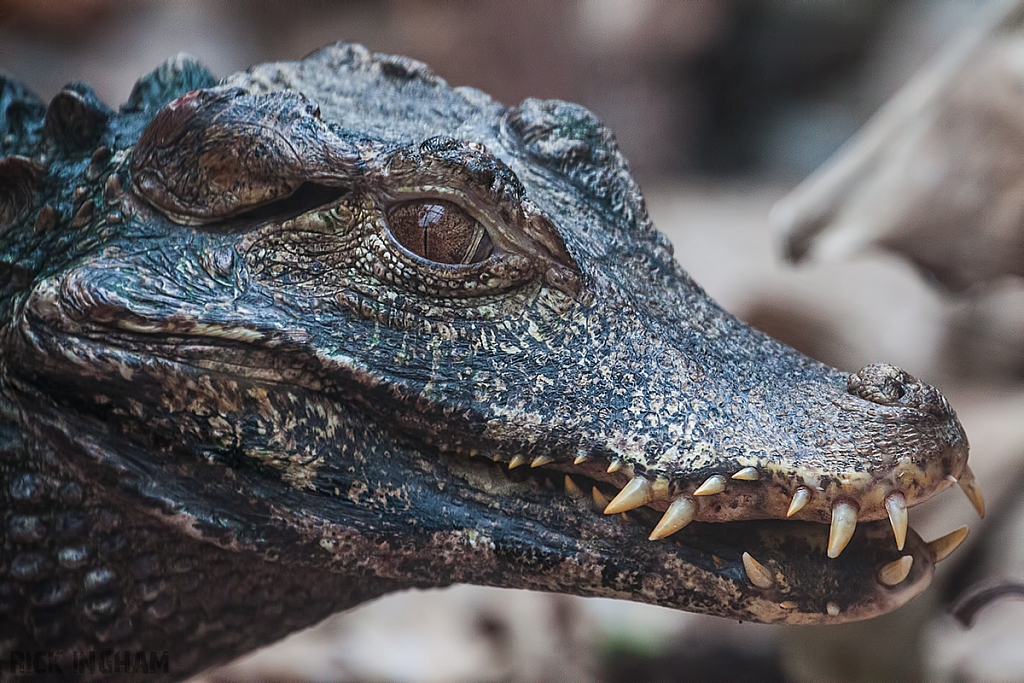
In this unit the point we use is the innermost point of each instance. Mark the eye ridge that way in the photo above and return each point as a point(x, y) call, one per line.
point(439, 231)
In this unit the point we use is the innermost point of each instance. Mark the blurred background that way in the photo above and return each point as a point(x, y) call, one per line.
point(722, 109)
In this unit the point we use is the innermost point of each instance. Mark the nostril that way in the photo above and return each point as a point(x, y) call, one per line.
point(880, 383)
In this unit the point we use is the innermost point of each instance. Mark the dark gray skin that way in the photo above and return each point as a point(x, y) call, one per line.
point(268, 349)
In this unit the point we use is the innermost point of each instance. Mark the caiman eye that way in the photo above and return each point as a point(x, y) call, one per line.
point(439, 231)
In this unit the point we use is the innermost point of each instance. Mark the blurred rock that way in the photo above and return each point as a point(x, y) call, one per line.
point(986, 333)
point(936, 176)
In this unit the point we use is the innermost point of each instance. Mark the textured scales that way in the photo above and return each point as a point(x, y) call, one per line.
point(233, 400)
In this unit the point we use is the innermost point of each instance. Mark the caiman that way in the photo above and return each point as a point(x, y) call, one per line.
point(328, 329)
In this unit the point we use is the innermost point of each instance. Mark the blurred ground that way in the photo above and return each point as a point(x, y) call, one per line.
point(721, 107)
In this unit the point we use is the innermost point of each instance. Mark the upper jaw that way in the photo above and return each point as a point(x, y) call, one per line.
point(752, 443)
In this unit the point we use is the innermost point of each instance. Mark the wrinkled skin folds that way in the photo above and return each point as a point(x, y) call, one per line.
point(328, 329)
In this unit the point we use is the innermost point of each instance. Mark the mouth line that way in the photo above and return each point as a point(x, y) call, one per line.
point(780, 560)
point(618, 490)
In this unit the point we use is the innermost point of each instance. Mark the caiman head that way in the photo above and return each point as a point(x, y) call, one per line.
point(335, 314)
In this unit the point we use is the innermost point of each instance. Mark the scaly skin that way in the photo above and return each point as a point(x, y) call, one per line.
point(236, 395)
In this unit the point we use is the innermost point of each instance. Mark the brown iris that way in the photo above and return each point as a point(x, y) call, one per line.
point(439, 231)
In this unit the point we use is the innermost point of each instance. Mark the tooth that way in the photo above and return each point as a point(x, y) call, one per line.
point(788, 604)
point(541, 460)
point(969, 485)
point(659, 487)
point(895, 572)
point(832, 609)
point(747, 474)
point(580, 459)
point(757, 572)
point(571, 489)
point(516, 461)
point(800, 498)
point(712, 485)
point(844, 523)
point(896, 505)
point(614, 466)
point(940, 548)
point(600, 500)
point(634, 494)
point(679, 514)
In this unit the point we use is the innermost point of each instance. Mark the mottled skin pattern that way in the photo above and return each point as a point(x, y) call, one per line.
point(232, 403)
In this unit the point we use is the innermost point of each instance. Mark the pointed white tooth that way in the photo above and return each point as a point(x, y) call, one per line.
point(800, 499)
point(757, 572)
point(614, 466)
point(679, 514)
point(634, 494)
point(969, 485)
point(941, 547)
point(600, 500)
point(580, 459)
point(832, 609)
point(516, 461)
point(571, 489)
point(541, 460)
point(747, 474)
point(895, 572)
point(712, 485)
point(896, 506)
point(844, 523)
